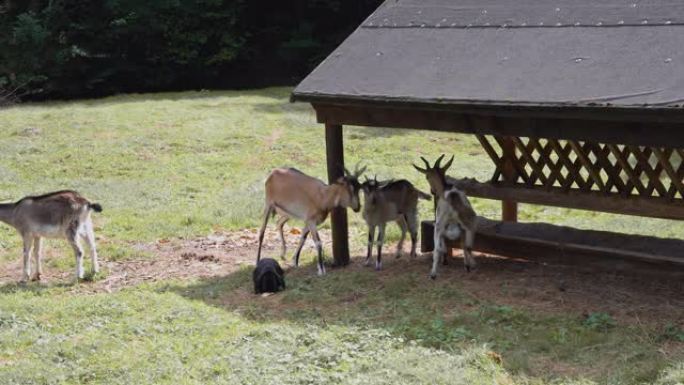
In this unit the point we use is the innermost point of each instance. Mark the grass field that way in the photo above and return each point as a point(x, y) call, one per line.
point(189, 164)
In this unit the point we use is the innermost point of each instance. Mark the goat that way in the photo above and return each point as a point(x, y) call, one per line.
point(390, 201)
point(454, 215)
point(292, 194)
point(59, 214)
point(268, 276)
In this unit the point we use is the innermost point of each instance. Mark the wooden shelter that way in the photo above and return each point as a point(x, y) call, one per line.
point(579, 104)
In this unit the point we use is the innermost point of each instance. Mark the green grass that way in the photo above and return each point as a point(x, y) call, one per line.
point(349, 328)
point(183, 164)
point(186, 164)
point(143, 336)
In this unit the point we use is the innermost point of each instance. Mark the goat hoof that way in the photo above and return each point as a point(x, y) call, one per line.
point(367, 263)
point(36, 277)
point(398, 255)
point(433, 276)
point(378, 266)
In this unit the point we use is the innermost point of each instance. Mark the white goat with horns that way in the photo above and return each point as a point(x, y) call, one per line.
point(60, 214)
point(292, 194)
point(454, 214)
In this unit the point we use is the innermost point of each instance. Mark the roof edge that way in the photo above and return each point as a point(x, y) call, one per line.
point(594, 110)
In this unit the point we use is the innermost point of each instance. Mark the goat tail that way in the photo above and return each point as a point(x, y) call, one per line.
point(423, 195)
point(95, 207)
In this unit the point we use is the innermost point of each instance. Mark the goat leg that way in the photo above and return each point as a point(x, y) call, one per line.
point(402, 226)
point(467, 245)
point(28, 241)
point(371, 238)
point(281, 224)
point(302, 239)
point(267, 213)
point(319, 248)
point(78, 252)
point(439, 249)
point(381, 240)
point(413, 230)
point(37, 253)
point(89, 237)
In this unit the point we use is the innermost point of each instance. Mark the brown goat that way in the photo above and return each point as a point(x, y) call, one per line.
point(292, 194)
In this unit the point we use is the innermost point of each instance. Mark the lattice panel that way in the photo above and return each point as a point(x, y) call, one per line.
point(585, 166)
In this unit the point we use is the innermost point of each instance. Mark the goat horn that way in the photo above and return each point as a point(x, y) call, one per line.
point(346, 172)
point(438, 161)
point(427, 164)
point(420, 170)
point(357, 173)
point(448, 164)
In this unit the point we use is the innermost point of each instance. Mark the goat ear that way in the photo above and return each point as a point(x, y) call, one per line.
point(448, 164)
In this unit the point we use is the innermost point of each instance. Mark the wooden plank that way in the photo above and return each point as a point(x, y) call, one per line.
point(554, 167)
point(512, 168)
point(664, 159)
point(511, 172)
point(569, 112)
point(611, 170)
point(526, 242)
point(633, 178)
point(492, 155)
point(594, 130)
point(588, 165)
point(537, 172)
point(654, 207)
point(652, 173)
point(334, 150)
point(573, 173)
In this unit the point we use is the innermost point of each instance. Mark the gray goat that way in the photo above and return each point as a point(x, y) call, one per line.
point(390, 201)
point(60, 214)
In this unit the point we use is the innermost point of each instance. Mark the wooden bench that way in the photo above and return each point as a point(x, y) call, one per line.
point(623, 179)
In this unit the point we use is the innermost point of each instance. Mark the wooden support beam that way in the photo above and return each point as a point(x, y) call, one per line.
point(509, 207)
point(334, 150)
point(536, 126)
point(654, 207)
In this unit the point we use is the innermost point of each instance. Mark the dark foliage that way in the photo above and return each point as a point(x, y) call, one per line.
point(80, 48)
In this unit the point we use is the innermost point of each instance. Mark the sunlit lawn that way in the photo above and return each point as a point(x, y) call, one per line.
point(187, 164)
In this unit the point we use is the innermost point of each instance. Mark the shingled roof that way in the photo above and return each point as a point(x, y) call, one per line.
point(532, 53)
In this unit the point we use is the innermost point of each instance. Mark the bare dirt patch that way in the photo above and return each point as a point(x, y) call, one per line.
point(551, 289)
point(218, 254)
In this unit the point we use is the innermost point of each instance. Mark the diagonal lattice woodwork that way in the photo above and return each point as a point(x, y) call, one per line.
point(579, 166)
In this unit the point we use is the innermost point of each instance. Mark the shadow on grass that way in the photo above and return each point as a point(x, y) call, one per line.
point(447, 314)
point(33, 287)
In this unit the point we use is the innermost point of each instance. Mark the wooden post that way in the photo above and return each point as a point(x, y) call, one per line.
point(334, 150)
point(509, 208)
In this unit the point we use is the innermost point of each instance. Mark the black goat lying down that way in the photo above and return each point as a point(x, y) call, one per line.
point(268, 277)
